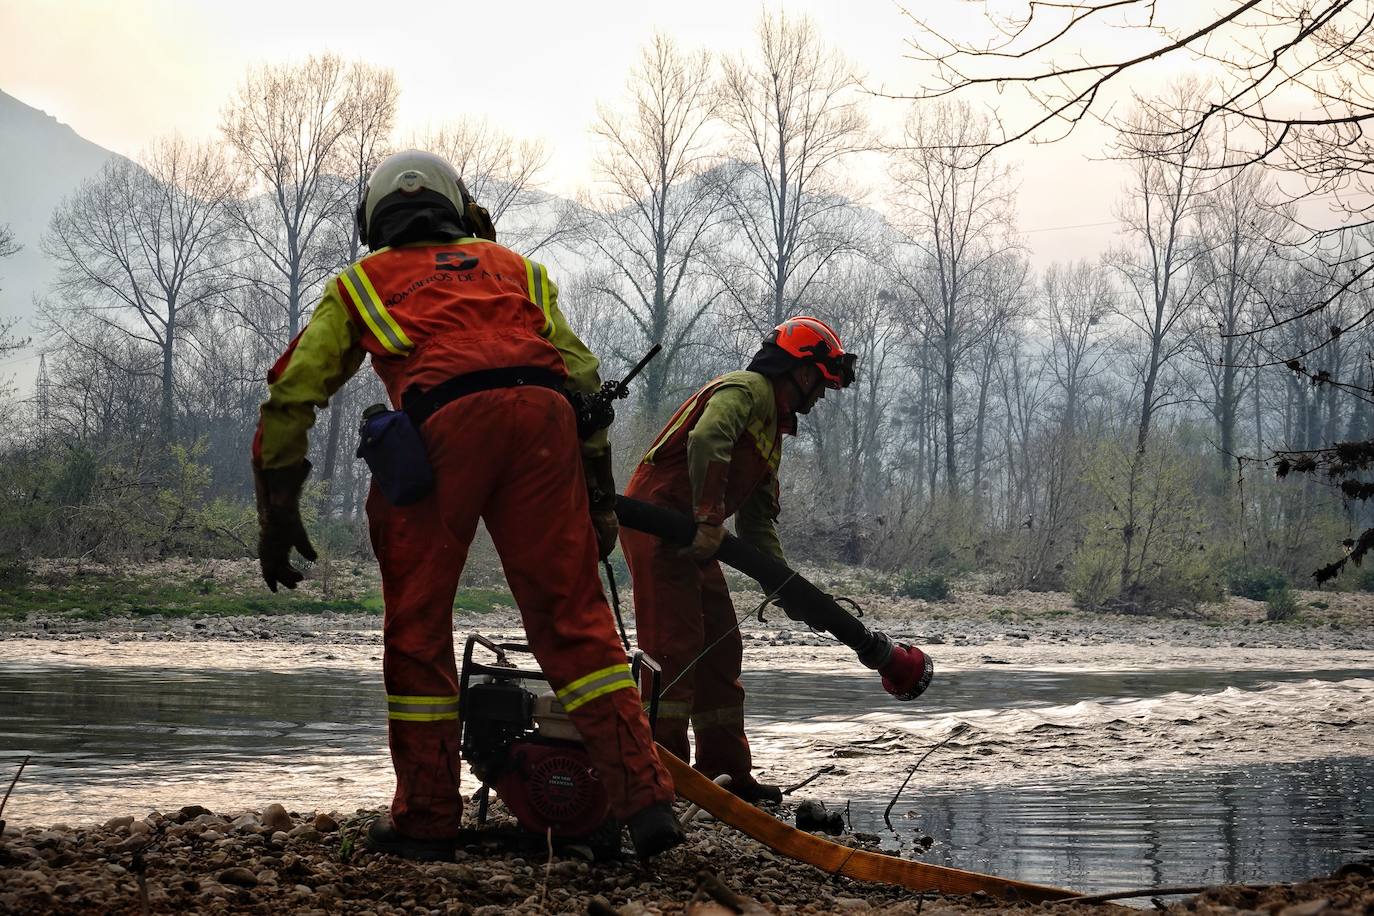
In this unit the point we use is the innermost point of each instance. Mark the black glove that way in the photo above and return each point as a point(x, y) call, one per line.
point(279, 523)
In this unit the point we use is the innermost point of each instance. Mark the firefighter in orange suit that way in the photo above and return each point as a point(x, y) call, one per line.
point(716, 458)
point(468, 339)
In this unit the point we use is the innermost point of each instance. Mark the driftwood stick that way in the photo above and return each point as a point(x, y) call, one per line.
point(14, 782)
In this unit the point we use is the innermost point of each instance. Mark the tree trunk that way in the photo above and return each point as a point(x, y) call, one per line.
point(951, 471)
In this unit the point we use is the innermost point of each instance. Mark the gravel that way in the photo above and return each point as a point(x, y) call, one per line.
point(201, 861)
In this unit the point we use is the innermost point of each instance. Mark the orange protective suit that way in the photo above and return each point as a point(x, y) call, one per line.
point(428, 313)
point(716, 458)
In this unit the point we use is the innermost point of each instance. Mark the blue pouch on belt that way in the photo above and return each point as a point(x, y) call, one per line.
point(395, 453)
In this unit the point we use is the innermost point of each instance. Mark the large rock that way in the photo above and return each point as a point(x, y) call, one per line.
point(239, 876)
point(275, 816)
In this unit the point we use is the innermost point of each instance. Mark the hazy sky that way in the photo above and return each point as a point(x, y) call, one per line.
point(124, 72)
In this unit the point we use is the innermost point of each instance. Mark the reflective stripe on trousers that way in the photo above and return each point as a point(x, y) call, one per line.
point(729, 716)
point(599, 683)
point(421, 709)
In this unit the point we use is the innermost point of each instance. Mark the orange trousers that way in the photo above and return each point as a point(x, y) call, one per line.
point(509, 457)
point(681, 608)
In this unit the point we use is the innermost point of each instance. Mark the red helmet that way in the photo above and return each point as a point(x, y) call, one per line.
point(812, 340)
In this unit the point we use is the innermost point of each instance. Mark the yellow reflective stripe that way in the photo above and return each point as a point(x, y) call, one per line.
point(599, 683)
point(674, 426)
point(397, 698)
point(421, 709)
point(537, 282)
point(729, 715)
point(765, 442)
point(674, 709)
point(374, 314)
point(397, 335)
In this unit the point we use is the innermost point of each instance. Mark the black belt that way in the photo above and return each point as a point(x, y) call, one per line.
point(421, 405)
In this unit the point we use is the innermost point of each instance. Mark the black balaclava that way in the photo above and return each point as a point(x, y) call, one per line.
point(401, 218)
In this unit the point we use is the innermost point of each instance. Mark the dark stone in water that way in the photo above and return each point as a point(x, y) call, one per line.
point(811, 815)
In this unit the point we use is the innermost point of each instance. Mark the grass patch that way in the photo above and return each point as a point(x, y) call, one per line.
point(98, 596)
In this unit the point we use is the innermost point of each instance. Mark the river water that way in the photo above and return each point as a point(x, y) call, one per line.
point(1094, 768)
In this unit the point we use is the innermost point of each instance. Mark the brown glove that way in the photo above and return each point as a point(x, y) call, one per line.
point(607, 528)
point(706, 542)
point(601, 500)
point(279, 523)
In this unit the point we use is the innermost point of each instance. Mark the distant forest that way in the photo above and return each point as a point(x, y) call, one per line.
point(1111, 427)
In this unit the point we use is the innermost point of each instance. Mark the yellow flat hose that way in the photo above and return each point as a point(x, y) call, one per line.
point(842, 860)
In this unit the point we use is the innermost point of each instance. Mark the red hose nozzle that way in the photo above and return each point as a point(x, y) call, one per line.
point(907, 673)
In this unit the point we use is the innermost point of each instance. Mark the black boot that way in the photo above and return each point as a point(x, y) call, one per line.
point(383, 836)
point(654, 829)
point(754, 792)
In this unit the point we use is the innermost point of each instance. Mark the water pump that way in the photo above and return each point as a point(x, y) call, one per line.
point(517, 739)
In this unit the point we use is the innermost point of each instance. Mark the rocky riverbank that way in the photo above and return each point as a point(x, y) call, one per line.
point(275, 861)
point(225, 600)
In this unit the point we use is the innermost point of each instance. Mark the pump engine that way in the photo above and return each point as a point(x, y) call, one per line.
point(522, 744)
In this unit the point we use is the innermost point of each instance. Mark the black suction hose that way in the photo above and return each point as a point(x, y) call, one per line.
point(800, 599)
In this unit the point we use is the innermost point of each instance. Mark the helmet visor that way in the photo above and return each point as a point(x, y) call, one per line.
point(839, 371)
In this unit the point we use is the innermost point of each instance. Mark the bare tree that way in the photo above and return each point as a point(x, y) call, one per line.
point(369, 113)
point(1077, 301)
point(658, 203)
point(1289, 75)
point(846, 437)
point(954, 210)
point(794, 117)
point(1161, 286)
point(503, 174)
point(1004, 288)
point(8, 247)
point(1241, 233)
point(143, 250)
point(286, 125)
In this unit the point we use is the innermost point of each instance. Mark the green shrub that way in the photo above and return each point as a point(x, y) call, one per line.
point(1094, 575)
point(1364, 578)
point(1256, 581)
point(1282, 605)
point(1166, 565)
point(931, 586)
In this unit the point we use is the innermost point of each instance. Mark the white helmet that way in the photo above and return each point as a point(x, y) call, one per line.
point(413, 177)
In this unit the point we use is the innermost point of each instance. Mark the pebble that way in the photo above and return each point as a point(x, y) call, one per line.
point(116, 869)
point(275, 816)
point(452, 871)
point(134, 843)
point(325, 824)
point(239, 876)
point(1310, 908)
point(245, 822)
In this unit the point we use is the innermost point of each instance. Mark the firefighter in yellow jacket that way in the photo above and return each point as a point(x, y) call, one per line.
point(469, 341)
point(718, 457)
